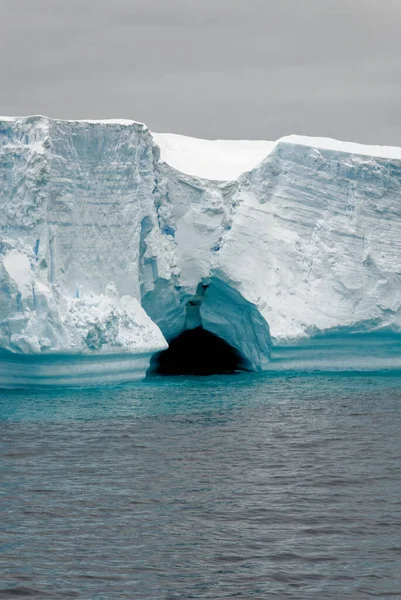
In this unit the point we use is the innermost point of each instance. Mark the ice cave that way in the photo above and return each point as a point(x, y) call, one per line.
point(198, 352)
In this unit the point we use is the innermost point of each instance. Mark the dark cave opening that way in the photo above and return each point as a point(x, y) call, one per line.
point(198, 352)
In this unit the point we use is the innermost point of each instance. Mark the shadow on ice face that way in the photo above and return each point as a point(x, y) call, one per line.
point(198, 352)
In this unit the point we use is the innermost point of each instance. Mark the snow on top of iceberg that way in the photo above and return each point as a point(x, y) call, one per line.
point(126, 122)
point(220, 160)
point(323, 143)
point(224, 160)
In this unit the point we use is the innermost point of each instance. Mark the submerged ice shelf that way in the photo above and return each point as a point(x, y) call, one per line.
point(114, 241)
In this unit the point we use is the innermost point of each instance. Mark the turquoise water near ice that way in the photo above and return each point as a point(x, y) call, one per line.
point(240, 486)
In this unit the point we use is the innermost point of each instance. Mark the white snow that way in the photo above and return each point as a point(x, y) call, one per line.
point(225, 160)
point(104, 241)
point(221, 160)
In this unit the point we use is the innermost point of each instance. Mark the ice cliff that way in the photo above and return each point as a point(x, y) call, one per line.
point(113, 241)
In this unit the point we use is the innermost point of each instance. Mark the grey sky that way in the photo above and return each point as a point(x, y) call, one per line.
point(209, 68)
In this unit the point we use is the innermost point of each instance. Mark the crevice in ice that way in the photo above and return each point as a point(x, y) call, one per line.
point(147, 265)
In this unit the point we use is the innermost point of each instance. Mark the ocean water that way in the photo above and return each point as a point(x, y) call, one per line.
point(242, 486)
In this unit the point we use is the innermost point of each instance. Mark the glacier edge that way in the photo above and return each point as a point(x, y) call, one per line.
point(108, 251)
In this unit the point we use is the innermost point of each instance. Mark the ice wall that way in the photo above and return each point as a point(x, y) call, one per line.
point(73, 196)
point(325, 257)
point(107, 252)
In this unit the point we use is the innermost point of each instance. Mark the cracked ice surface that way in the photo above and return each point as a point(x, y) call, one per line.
point(106, 232)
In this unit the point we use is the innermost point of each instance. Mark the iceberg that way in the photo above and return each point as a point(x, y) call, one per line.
point(116, 243)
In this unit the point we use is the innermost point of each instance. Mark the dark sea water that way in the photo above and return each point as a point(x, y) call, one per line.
point(239, 486)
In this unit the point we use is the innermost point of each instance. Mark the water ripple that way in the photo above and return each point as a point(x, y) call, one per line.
point(222, 487)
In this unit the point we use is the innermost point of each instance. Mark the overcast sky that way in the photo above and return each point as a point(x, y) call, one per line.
point(256, 69)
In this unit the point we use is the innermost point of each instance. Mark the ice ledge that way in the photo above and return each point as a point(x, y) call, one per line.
point(24, 371)
point(373, 352)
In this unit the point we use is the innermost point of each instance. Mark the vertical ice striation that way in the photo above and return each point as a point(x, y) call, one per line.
point(324, 264)
point(73, 195)
point(107, 251)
